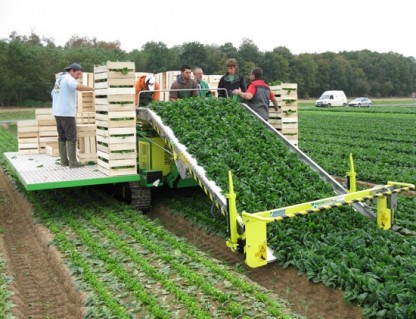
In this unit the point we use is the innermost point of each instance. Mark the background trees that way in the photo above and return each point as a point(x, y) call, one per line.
point(28, 65)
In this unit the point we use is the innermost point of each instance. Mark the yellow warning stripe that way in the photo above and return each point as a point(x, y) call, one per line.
point(339, 204)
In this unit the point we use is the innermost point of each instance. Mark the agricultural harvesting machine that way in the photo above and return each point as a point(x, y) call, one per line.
point(163, 160)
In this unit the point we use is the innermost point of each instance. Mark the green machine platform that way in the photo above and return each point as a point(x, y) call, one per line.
point(40, 172)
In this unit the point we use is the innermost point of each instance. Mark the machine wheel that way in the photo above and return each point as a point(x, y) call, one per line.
point(137, 196)
point(328, 105)
point(359, 105)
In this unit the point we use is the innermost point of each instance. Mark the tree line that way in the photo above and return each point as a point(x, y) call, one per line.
point(28, 65)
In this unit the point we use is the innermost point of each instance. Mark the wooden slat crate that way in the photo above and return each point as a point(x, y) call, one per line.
point(116, 119)
point(113, 71)
point(85, 101)
point(52, 149)
point(44, 117)
point(85, 118)
point(87, 145)
point(28, 137)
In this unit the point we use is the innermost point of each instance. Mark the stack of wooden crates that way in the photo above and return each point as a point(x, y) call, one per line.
point(286, 119)
point(115, 118)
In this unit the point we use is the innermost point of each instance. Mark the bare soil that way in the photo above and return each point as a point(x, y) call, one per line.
point(314, 301)
point(42, 285)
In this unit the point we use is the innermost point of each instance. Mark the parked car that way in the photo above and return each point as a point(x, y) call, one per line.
point(332, 98)
point(360, 101)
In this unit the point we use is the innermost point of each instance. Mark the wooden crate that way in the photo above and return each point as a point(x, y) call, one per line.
point(85, 118)
point(116, 170)
point(87, 79)
point(119, 102)
point(52, 149)
point(115, 135)
point(28, 137)
point(86, 143)
point(27, 129)
point(44, 117)
point(115, 119)
point(112, 72)
point(85, 101)
point(85, 158)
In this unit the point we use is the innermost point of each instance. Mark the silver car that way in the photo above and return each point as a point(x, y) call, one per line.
point(360, 101)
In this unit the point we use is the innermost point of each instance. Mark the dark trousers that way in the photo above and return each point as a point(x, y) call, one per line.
point(67, 128)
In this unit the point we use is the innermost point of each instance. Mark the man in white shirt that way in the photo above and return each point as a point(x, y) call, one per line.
point(64, 104)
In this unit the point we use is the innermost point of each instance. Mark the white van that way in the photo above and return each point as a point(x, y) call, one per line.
point(332, 98)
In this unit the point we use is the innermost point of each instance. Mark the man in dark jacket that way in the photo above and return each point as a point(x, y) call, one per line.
point(258, 94)
point(184, 81)
point(231, 80)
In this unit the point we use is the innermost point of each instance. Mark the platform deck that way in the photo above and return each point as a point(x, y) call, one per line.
point(41, 171)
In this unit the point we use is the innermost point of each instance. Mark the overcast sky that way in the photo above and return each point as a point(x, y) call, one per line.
point(303, 26)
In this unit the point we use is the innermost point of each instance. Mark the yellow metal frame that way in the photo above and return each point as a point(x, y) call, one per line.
point(255, 224)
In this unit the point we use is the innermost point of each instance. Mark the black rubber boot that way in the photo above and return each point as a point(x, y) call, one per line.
point(72, 155)
point(62, 153)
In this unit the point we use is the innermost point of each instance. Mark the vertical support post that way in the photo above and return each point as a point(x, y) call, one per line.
point(383, 213)
point(256, 241)
point(232, 214)
point(351, 176)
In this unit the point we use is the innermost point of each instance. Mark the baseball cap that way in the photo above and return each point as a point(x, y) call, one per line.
point(150, 82)
point(74, 66)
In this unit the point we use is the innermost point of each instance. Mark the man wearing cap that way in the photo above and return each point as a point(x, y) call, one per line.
point(147, 83)
point(64, 103)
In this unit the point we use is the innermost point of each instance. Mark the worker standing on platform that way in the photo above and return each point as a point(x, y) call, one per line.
point(258, 94)
point(147, 83)
point(184, 81)
point(202, 85)
point(64, 108)
point(231, 81)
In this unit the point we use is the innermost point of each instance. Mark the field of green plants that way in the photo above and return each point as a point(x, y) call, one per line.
point(131, 267)
point(128, 263)
point(339, 248)
point(381, 139)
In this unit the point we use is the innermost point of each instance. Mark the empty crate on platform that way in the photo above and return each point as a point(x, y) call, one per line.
point(116, 118)
point(87, 146)
point(46, 127)
point(286, 119)
point(28, 136)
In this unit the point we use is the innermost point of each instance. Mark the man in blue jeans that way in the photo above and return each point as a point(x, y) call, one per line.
point(64, 108)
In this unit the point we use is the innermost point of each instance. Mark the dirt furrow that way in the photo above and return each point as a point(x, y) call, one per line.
point(43, 286)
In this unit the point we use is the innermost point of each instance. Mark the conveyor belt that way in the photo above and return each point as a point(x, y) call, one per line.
point(184, 158)
point(338, 189)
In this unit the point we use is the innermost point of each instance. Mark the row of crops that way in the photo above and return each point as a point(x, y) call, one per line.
point(339, 248)
point(382, 140)
point(132, 267)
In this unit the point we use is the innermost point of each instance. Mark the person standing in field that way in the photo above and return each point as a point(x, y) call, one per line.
point(184, 81)
point(147, 83)
point(258, 94)
point(202, 85)
point(231, 80)
point(64, 108)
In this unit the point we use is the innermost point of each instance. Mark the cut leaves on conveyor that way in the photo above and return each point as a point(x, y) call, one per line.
point(222, 136)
